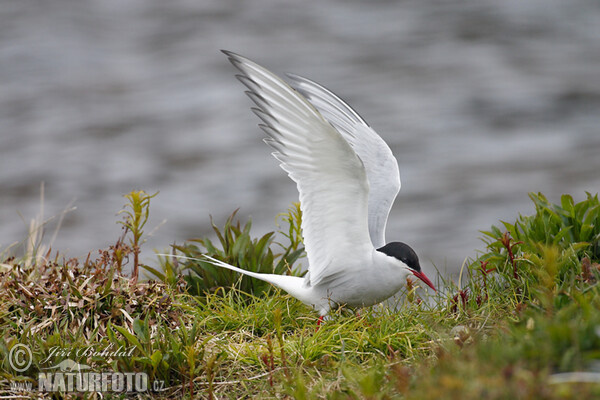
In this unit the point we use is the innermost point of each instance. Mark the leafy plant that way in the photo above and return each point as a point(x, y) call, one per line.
point(539, 258)
point(570, 224)
point(136, 215)
point(497, 335)
point(236, 246)
point(293, 219)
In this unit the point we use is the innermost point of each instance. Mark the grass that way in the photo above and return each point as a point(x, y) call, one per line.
point(525, 325)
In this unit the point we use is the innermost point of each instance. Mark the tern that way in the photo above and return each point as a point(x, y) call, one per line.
point(347, 179)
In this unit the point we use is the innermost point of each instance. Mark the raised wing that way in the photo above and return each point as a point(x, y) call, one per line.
point(381, 165)
point(329, 175)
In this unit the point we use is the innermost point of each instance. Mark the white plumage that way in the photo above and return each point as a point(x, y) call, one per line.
point(347, 179)
point(379, 162)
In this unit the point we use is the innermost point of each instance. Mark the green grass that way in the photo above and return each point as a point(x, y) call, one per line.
point(527, 313)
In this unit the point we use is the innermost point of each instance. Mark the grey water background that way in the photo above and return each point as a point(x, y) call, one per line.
point(481, 102)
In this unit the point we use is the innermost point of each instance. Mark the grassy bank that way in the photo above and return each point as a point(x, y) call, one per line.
point(523, 324)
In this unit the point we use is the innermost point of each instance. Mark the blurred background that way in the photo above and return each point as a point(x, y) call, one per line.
point(481, 102)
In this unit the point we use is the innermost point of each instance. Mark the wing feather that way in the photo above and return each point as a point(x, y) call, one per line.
point(330, 177)
point(380, 164)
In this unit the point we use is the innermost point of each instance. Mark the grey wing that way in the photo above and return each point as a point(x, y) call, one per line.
point(380, 164)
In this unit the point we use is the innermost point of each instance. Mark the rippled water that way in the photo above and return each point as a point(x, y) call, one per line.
point(482, 102)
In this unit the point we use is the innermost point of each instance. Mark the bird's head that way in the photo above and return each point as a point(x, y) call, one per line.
point(407, 256)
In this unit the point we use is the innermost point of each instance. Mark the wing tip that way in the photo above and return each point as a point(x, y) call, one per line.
point(231, 55)
point(238, 61)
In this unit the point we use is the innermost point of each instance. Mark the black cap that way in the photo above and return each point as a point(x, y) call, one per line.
point(402, 252)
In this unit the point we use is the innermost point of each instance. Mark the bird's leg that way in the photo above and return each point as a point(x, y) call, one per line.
point(319, 322)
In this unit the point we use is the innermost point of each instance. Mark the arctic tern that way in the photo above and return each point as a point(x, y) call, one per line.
point(347, 179)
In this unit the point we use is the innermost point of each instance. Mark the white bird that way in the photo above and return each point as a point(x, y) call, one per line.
point(347, 178)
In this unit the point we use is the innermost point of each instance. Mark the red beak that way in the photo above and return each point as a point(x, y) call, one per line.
point(424, 278)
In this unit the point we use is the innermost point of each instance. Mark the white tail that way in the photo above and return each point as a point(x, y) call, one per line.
point(294, 285)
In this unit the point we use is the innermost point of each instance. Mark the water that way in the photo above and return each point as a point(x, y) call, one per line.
point(481, 102)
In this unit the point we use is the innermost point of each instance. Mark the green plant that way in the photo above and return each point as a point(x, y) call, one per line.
point(494, 336)
point(568, 224)
point(237, 247)
point(293, 219)
point(540, 255)
point(136, 214)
